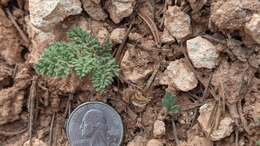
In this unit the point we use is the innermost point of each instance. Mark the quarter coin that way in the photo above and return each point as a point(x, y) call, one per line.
point(94, 124)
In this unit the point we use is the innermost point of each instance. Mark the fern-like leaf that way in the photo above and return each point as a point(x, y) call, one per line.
point(84, 55)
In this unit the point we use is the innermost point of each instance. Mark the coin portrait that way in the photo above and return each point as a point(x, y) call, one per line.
point(94, 124)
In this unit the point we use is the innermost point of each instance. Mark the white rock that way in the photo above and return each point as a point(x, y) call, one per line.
point(154, 142)
point(177, 22)
point(117, 35)
point(137, 141)
point(202, 53)
point(253, 27)
point(94, 9)
point(225, 128)
point(159, 128)
point(179, 75)
point(44, 14)
point(119, 9)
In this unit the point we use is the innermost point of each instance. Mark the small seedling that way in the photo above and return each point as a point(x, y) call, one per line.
point(169, 102)
point(82, 54)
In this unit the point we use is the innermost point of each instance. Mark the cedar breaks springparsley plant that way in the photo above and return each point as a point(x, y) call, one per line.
point(82, 54)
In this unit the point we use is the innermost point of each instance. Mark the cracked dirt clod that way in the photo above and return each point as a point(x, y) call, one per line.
point(119, 9)
point(177, 22)
point(225, 128)
point(230, 78)
point(10, 41)
point(252, 27)
point(12, 98)
point(202, 53)
point(46, 14)
point(137, 64)
point(94, 9)
point(233, 14)
point(179, 75)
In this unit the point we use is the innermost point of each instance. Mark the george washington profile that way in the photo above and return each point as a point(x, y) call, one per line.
point(94, 129)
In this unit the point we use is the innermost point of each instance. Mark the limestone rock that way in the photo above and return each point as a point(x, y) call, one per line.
point(159, 128)
point(45, 14)
point(202, 53)
point(253, 27)
point(225, 128)
point(119, 9)
point(177, 22)
point(233, 14)
point(94, 9)
point(137, 141)
point(179, 75)
point(35, 142)
point(117, 35)
point(154, 142)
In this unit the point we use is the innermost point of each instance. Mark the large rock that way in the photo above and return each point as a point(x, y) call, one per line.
point(179, 75)
point(202, 53)
point(253, 27)
point(177, 22)
point(45, 14)
point(94, 9)
point(225, 128)
point(119, 9)
point(233, 14)
point(10, 41)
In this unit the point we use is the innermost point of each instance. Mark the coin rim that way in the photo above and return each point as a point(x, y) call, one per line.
point(95, 102)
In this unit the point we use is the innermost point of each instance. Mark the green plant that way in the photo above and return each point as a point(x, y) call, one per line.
point(82, 54)
point(169, 102)
point(258, 143)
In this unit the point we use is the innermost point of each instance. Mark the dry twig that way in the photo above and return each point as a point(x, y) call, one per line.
point(22, 34)
point(151, 24)
point(32, 97)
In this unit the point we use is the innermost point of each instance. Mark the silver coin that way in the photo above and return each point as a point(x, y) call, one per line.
point(94, 124)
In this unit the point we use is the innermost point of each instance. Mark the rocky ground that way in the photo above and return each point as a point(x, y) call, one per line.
point(206, 52)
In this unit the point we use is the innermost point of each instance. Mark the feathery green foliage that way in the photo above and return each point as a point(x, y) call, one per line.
point(83, 55)
point(169, 102)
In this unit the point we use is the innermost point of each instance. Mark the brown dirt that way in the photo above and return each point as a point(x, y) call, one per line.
point(236, 79)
